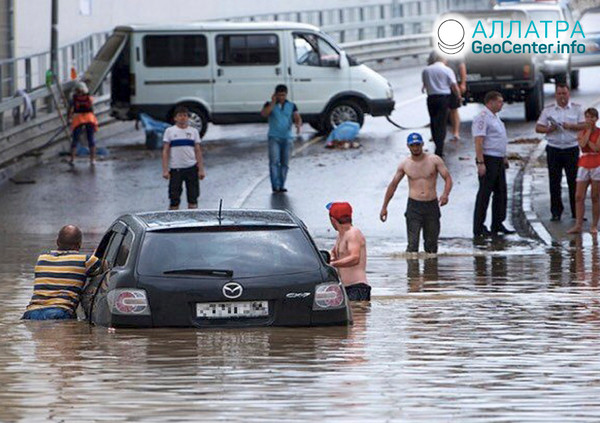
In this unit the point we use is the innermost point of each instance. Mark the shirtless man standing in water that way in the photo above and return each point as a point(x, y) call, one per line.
point(349, 255)
point(423, 208)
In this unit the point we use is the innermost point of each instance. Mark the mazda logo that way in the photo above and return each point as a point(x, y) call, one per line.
point(232, 290)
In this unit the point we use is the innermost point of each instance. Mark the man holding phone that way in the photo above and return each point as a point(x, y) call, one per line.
point(561, 122)
point(281, 113)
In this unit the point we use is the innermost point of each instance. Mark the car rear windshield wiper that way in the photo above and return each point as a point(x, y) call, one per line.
point(202, 272)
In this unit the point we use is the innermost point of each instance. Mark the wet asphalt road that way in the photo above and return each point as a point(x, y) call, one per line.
point(501, 331)
point(129, 179)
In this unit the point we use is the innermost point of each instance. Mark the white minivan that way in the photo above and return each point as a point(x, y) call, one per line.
point(224, 72)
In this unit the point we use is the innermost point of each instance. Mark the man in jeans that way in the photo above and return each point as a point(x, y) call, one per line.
point(59, 278)
point(281, 114)
point(182, 160)
point(423, 207)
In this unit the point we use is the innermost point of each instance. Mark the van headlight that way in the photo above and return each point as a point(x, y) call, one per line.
point(389, 93)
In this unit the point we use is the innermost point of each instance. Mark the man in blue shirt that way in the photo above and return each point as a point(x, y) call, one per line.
point(281, 114)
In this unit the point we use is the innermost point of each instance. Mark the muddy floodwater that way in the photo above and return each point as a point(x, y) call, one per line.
point(503, 332)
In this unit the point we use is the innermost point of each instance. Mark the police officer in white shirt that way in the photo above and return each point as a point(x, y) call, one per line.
point(439, 81)
point(560, 122)
point(490, 138)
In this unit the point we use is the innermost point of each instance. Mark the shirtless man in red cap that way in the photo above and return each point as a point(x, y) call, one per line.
point(349, 255)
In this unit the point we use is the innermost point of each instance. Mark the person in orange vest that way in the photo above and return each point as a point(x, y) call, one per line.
point(81, 115)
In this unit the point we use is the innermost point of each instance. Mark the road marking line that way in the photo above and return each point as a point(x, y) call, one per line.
point(246, 194)
point(412, 100)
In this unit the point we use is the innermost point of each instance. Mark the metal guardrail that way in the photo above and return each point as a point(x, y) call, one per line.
point(390, 48)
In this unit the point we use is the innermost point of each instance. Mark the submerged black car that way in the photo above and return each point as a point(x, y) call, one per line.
point(207, 268)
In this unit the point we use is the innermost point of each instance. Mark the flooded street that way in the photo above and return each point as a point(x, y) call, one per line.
point(506, 330)
point(460, 338)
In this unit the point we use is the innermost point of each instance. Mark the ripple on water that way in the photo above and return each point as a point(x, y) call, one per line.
point(486, 336)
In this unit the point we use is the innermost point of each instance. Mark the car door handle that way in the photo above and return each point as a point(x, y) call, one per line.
point(303, 80)
point(219, 72)
point(277, 71)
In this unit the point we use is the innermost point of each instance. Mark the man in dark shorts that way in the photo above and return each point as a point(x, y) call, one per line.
point(182, 160)
point(349, 255)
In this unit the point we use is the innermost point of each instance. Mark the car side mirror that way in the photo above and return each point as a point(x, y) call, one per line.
point(326, 256)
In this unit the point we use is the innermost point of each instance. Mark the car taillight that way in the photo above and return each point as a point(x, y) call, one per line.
point(328, 295)
point(526, 71)
point(128, 301)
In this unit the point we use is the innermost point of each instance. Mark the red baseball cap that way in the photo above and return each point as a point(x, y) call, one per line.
point(340, 210)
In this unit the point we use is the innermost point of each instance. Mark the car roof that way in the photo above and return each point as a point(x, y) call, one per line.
point(217, 26)
point(165, 220)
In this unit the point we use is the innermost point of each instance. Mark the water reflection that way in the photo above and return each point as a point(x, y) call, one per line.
point(480, 335)
point(281, 201)
point(417, 278)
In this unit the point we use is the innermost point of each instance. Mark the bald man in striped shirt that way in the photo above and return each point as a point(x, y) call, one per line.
point(59, 278)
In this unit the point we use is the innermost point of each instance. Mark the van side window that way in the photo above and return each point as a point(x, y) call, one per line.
point(312, 50)
point(175, 50)
point(255, 49)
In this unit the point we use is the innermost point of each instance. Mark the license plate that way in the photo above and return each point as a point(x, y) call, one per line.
point(238, 309)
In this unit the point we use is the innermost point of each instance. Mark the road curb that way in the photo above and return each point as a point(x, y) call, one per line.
point(524, 216)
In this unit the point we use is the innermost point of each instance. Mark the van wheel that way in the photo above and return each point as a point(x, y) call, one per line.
point(198, 118)
point(343, 111)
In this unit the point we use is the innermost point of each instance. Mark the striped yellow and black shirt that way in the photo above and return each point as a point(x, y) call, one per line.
point(59, 279)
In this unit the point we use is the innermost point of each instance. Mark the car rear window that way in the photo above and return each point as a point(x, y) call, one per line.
point(247, 252)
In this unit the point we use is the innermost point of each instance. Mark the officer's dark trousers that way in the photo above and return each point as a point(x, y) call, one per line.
point(559, 159)
point(493, 182)
point(438, 107)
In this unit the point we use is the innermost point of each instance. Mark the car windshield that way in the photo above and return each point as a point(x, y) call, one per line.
point(244, 252)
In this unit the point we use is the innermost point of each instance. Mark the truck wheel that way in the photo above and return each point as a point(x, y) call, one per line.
point(534, 102)
point(575, 79)
point(564, 78)
point(343, 111)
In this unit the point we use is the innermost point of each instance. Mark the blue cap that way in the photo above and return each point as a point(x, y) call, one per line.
point(414, 138)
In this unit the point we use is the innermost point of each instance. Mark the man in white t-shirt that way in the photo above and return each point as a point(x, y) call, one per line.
point(439, 82)
point(182, 160)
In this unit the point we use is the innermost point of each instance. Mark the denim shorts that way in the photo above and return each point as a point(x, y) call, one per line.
point(48, 313)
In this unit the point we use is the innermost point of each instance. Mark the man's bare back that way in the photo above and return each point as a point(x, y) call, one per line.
point(422, 176)
point(348, 243)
